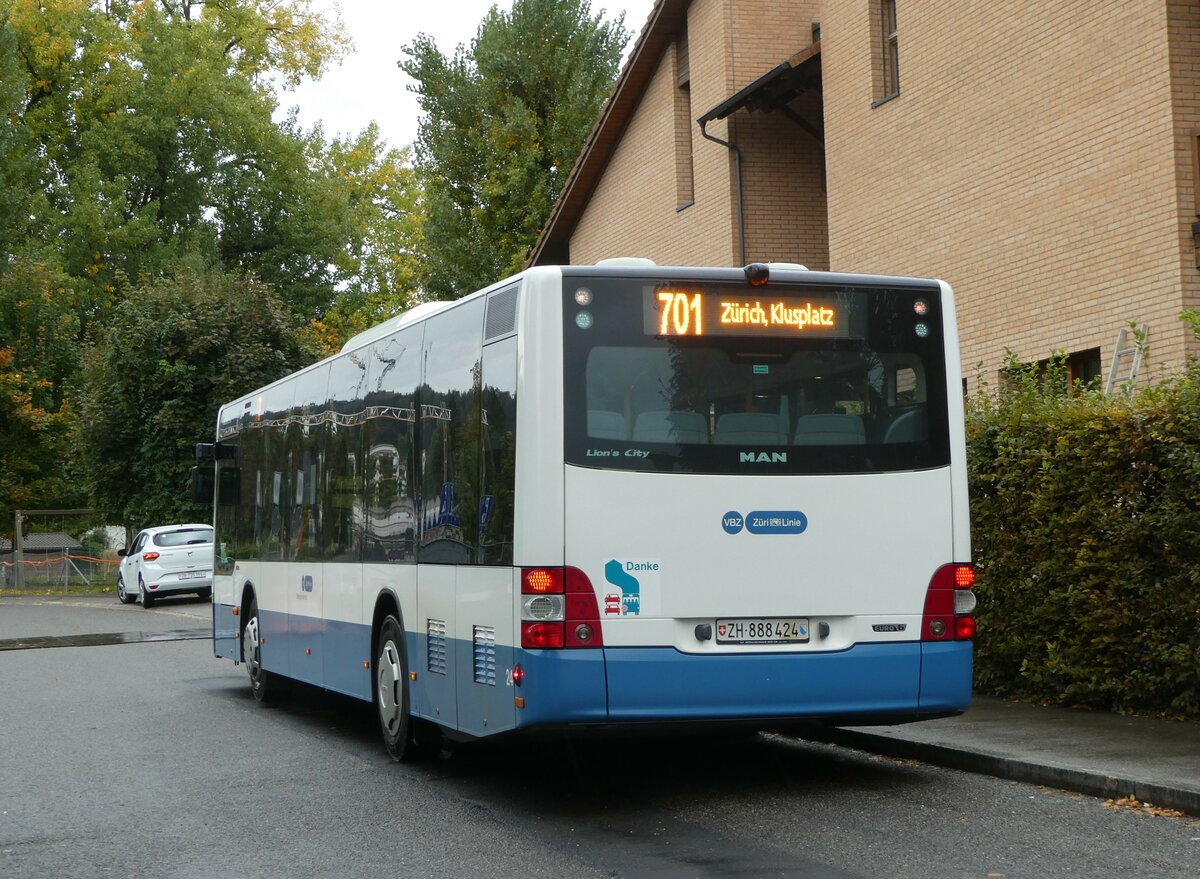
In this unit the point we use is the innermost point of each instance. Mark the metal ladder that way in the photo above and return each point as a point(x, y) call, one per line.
point(1131, 345)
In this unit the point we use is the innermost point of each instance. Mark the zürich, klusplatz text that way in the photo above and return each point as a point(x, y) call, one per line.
point(776, 314)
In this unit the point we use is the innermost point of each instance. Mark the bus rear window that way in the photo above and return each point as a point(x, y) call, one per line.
point(724, 379)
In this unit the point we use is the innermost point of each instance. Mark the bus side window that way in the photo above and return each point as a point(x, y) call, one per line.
point(341, 527)
point(389, 441)
point(277, 408)
point(229, 485)
point(449, 418)
point(497, 482)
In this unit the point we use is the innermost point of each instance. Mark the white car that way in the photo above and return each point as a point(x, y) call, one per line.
point(168, 560)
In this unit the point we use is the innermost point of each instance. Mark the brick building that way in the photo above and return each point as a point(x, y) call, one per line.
point(1041, 156)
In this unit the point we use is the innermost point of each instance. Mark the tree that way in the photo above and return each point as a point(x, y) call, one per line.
point(33, 443)
point(504, 121)
point(178, 348)
point(146, 133)
point(138, 140)
point(382, 234)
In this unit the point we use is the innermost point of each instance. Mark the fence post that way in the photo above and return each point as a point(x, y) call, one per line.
point(18, 550)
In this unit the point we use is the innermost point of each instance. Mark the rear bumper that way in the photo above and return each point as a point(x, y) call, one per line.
point(889, 683)
point(170, 584)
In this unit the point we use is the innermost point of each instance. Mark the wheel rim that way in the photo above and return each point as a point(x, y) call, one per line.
point(121, 588)
point(391, 688)
point(250, 649)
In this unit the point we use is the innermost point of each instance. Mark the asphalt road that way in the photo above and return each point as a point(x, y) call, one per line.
point(151, 759)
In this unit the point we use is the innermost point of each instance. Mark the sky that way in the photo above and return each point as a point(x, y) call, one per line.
point(369, 86)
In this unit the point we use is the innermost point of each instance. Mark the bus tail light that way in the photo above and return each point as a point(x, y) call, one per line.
point(541, 581)
point(949, 605)
point(542, 635)
point(583, 611)
point(558, 609)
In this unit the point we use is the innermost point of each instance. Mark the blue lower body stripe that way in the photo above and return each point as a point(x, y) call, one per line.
point(625, 684)
point(646, 684)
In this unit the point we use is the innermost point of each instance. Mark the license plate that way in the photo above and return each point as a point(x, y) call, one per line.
point(193, 575)
point(763, 630)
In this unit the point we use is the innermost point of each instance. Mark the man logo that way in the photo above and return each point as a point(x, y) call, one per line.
point(762, 457)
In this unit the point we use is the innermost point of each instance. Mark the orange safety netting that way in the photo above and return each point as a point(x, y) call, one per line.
point(58, 560)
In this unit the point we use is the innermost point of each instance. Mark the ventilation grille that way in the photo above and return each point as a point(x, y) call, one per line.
point(501, 313)
point(485, 655)
point(437, 646)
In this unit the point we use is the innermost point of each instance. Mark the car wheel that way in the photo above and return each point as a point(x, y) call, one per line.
point(205, 594)
point(147, 598)
point(407, 738)
point(122, 593)
point(266, 686)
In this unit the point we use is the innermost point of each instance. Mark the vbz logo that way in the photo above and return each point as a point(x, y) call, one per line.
point(732, 522)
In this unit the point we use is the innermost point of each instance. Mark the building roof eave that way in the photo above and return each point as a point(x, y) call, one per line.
point(775, 88)
point(661, 27)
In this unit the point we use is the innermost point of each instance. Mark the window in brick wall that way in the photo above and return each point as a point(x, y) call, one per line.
point(887, 55)
point(1073, 372)
point(1196, 193)
point(684, 191)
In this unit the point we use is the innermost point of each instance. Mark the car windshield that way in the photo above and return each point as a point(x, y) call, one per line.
point(184, 537)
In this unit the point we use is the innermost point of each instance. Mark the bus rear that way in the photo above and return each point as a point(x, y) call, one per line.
point(763, 500)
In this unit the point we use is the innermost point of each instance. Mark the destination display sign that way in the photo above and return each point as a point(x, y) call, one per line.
point(697, 312)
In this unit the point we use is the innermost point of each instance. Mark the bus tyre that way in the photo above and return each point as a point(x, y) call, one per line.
point(266, 686)
point(407, 738)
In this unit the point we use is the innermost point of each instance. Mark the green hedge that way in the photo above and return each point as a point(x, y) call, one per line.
point(1085, 516)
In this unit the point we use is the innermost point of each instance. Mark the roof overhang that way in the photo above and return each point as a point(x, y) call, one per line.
point(776, 88)
point(773, 90)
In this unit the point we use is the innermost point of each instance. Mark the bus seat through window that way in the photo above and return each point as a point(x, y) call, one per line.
point(603, 424)
point(830, 430)
point(758, 428)
point(907, 427)
point(665, 426)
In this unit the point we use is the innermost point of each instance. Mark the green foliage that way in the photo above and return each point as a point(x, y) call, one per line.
point(39, 336)
point(33, 443)
point(137, 140)
point(382, 236)
point(505, 120)
point(176, 350)
point(1084, 513)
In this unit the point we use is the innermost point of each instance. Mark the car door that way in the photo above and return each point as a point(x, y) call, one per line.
point(130, 565)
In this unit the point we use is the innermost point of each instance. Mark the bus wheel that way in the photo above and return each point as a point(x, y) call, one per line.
point(265, 686)
point(407, 738)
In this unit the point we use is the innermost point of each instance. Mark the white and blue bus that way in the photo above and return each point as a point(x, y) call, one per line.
point(611, 495)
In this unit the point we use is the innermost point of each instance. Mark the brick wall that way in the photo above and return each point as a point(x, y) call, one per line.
point(1030, 159)
point(1041, 156)
point(633, 209)
point(784, 181)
